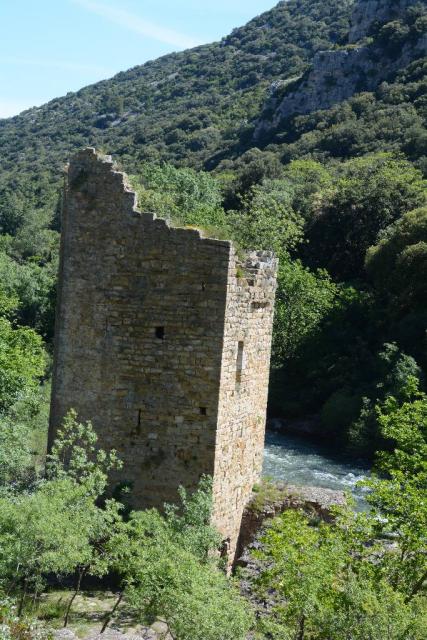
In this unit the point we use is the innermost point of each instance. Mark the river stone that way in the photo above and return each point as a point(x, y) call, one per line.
point(322, 499)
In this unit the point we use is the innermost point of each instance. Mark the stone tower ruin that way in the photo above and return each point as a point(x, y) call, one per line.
point(163, 341)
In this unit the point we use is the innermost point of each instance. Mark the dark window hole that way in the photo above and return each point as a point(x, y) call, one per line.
point(203, 411)
point(239, 362)
point(160, 333)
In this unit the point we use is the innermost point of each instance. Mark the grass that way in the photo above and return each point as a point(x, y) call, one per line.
point(266, 492)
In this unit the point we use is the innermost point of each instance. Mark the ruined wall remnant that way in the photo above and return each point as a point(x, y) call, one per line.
point(163, 341)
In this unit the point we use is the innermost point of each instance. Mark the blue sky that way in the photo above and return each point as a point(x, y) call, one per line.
point(50, 47)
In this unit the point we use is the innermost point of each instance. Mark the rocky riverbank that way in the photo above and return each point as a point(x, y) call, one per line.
point(269, 501)
point(273, 498)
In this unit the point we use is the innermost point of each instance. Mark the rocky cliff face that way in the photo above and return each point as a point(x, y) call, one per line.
point(338, 74)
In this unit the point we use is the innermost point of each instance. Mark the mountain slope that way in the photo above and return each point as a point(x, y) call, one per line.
point(328, 79)
point(384, 39)
point(185, 107)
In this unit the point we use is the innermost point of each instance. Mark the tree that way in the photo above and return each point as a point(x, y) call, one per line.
point(169, 569)
point(16, 456)
point(303, 300)
point(22, 356)
point(365, 574)
point(401, 497)
point(75, 455)
point(34, 287)
point(398, 263)
point(59, 527)
point(307, 179)
point(267, 221)
point(332, 581)
point(184, 196)
point(44, 532)
point(250, 170)
point(370, 194)
point(391, 369)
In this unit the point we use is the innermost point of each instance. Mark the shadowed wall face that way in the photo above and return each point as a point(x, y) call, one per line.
point(160, 344)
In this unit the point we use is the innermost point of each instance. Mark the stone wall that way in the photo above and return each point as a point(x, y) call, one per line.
point(243, 388)
point(163, 341)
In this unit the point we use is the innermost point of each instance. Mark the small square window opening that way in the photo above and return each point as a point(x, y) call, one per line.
point(160, 333)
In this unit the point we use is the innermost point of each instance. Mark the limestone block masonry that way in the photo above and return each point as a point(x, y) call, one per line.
point(163, 341)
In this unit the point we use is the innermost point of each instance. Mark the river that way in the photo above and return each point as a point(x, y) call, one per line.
point(300, 462)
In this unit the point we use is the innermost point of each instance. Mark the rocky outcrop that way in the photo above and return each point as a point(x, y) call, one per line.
point(338, 74)
point(315, 501)
point(275, 498)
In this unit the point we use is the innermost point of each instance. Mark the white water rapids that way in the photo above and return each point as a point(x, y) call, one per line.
point(299, 462)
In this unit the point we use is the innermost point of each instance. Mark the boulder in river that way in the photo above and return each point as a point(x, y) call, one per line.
point(272, 498)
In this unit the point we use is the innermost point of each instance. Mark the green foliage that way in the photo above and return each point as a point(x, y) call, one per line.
point(189, 523)
point(15, 452)
point(22, 361)
point(344, 407)
point(263, 494)
point(57, 527)
point(23, 429)
point(346, 579)
point(75, 455)
point(33, 286)
point(186, 107)
point(14, 628)
point(246, 172)
point(386, 376)
point(303, 300)
point(45, 532)
point(398, 263)
point(168, 571)
point(183, 196)
point(306, 179)
point(326, 585)
point(266, 220)
point(168, 563)
point(401, 496)
point(370, 194)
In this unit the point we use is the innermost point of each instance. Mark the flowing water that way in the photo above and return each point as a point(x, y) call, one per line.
point(300, 462)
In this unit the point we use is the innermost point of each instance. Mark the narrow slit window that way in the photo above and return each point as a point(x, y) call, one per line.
point(239, 362)
point(160, 333)
point(203, 411)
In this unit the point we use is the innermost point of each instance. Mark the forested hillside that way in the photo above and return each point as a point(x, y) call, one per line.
point(185, 107)
point(303, 131)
